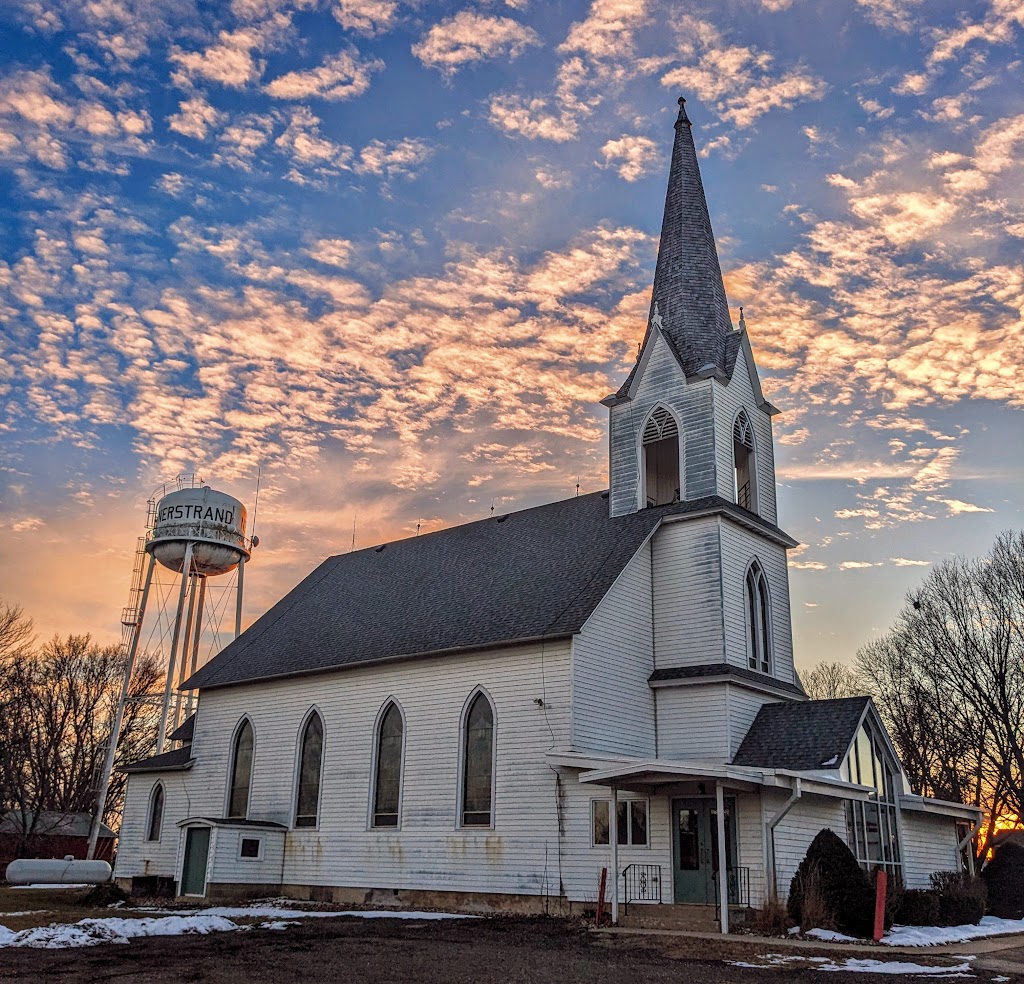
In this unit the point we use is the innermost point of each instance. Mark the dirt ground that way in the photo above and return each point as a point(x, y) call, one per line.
point(359, 951)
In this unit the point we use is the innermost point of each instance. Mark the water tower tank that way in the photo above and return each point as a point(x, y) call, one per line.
point(212, 521)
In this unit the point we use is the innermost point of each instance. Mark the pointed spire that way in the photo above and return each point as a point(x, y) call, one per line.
point(688, 287)
point(743, 324)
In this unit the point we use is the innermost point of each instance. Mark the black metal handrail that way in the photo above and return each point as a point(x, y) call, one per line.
point(642, 883)
point(739, 887)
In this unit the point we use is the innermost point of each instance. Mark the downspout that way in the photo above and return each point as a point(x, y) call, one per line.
point(787, 806)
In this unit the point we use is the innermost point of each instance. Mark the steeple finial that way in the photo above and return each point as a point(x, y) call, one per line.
point(743, 324)
point(682, 117)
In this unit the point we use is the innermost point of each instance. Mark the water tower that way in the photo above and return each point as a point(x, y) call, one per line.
point(197, 533)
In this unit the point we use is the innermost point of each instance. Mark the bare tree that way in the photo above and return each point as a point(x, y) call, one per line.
point(61, 704)
point(827, 681)
point(16, 641)
point(949, 681)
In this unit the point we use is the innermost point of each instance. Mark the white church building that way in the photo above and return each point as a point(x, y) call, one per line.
point(487, 716)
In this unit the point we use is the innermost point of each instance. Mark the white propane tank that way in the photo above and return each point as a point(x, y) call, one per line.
point(55, 871)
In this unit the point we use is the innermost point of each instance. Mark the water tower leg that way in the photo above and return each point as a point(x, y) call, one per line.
point(115, 729)
point(197, 636)
point(238, 602)
point(185, 643)
point(186, 569)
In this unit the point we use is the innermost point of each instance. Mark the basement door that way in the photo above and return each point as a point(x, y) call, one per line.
point(695, 848)
point(193, 869)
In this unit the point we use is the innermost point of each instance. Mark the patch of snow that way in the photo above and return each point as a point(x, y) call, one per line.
point(867, 966)
point(832, 936)
point(27, 912)
point(92, 932)
point(999, 980)
point(793, 931)
point(278, 924)
point(861, 966)
point(934, 935)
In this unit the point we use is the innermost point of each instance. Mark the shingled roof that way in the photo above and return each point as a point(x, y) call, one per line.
point(802, 736)
point(530, 574)
point(534, 574)
point(688, 287)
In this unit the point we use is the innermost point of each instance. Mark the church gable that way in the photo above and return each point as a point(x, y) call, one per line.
point(660, 388)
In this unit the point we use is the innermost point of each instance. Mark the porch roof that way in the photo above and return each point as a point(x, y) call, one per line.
point(642, 775)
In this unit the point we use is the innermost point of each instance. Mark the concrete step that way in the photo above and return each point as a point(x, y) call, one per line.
point(690, 918)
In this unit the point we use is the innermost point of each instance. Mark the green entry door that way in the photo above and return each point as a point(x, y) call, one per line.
point(695, 848)
point(193, 871)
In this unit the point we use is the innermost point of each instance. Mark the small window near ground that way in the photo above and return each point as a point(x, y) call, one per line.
point(250, 848)
point(632, 822)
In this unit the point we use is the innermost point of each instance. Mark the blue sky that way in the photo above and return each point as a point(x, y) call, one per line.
point(395, 253)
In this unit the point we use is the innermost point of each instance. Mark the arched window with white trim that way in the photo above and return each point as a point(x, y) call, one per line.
point(156, 813)
point(660, 446)
point(311, 753)
point(241, 770)
point(478, 763)
point(744, 470)
point(387, 786)
point(759, 620)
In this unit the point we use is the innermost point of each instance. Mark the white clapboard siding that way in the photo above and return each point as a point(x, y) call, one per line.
point(739, 548)
point(136, 856)
point(429, 851)
point(227, 866)
point(750, 846)
point(743, 705)
point(662, 382)
point(929, 845)
point(729, 399)
point(687, 594)
point(581, 861)
point(809, 815)
point(693, 723)
point(612, 659)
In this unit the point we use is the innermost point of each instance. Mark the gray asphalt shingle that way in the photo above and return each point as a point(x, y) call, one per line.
point(802, 736)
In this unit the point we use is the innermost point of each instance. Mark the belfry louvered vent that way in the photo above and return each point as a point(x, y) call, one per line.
point(660, 426)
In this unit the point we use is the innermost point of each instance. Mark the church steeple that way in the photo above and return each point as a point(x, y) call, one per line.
point(688, 287)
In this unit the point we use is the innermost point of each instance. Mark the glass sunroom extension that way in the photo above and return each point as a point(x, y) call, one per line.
point(872, 826)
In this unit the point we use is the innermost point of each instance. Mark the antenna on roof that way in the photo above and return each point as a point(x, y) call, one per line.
point(256, 504)
point(577, 485)
point(418, 524)
point(353, 534)
point(492, 505)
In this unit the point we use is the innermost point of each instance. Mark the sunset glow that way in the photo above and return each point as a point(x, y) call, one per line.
point(393, 254)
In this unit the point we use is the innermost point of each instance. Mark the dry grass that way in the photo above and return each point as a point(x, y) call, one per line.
point(815, 912)
point(773, 918)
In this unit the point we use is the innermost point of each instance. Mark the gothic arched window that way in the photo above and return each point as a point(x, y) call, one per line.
point(241, 771)
point(156, 812)
point(744, 472)
point(661, 458)
point(759, 620)
point(387, 788)
point(311, 752)
point(478, 763)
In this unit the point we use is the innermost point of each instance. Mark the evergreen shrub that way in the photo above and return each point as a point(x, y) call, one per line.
point(920, 907)
point(1004, 879)
point(847, 893)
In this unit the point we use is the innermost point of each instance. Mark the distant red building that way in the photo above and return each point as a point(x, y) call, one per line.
point(55, 835)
